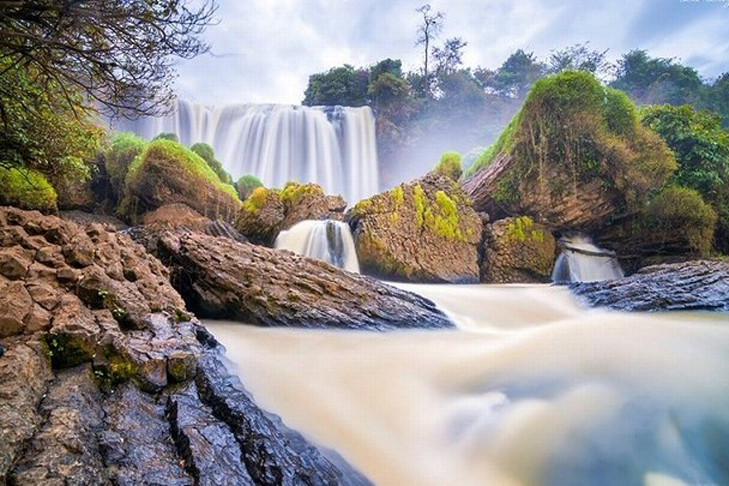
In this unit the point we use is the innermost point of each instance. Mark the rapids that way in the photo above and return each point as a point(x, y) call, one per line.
point(327, 240)
point(582, 261)
point(532, 388)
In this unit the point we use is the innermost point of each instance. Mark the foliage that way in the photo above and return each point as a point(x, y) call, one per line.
point(579, 57)
point(701, 147)
point(246, 184)
point(449, 165)
point(515, 76)
point(39, 130)
point(521, 229)
point(206, 152)
point(167, 136)
point(682, 210)
point(124, 148)
point(26, 189)
point(343, 85)
point(118, 54)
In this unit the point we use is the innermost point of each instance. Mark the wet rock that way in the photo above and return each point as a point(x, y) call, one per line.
point(137, 443)
point(423, 231)
point(209, 448)
point(65, 450)
point(223, 229)
point(517, 250)
point(221, 278)
point(24, 376)
point(697, 285)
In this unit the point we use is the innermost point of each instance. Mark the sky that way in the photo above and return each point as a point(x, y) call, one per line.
point(263, 51)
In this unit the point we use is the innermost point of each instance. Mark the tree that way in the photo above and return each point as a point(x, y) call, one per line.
point(118, 54)
point(428, 31)
point(515, 76)
point(716, 98)
point(579, 58)
point(343, 85)
point(449, 57)
point(657, 80)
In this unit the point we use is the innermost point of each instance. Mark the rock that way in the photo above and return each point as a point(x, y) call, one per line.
point(221, 278)
point(223, 229)
point(83, 219)
point(65, 450)
point(516, 250)
point(136, 441)
point(175, 216)
point(169, 174)
point(423, 231)
point(689, 286)
point(24, 376)
point(266, 212)
point(15, 307)
point(14, 263)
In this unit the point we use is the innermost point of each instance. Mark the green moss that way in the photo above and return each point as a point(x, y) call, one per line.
point(26, 189)
point(246, 184)
point(449, 165)
point(187, 160)
point(293, 192)
point(66, 351)
point(167, 136)
point(445, 219)
point(115, 371)
point(206, 152)
point(398, 196)
point(124, 148)
point(419, 201)
point(521, 229)
point(257, 200)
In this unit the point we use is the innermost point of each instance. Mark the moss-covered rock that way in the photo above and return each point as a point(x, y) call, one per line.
point(246, 184)
point(449, 165)
point(118, 157)
point(208, 155)
point(26, 189)
point(517, 250)
point(167, 173)
point(423, 231)
point(573, 157)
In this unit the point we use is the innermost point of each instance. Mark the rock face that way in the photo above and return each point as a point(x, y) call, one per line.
point(266, 212)
point(175, 216)
point(224, 279)
point(106, 379)
point(696, 285)
point(423, 231)
point(517, 250)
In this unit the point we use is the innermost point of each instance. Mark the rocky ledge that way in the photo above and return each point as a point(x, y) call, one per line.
point(223, 279)
point(105, 378)
point(689, 286)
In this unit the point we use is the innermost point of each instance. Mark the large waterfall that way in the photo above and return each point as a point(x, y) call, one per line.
point(328, 240)
point(582, 261)
point(332, 146)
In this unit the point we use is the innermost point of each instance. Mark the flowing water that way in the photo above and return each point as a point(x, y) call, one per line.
point(582, 261)
point(327, 240)
point(332, 146)
point(530, 389)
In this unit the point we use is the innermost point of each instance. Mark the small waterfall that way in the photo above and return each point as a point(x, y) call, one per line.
point(582, 261)
point(328, 240)
point(332, 146)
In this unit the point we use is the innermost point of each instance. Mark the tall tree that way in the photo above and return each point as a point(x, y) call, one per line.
point(119, 54)
point(430, 29)
point(579, 57)
point(449, 57)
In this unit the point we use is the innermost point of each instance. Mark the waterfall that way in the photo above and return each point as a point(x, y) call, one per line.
point(328, 240)
point(333, 146)
point(582, 261)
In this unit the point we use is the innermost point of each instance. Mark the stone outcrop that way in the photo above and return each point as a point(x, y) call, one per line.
point(517, 250)
point(266, 212)
point(174, 216)
point(422, 231)
point(224, 279)
point(689, 286)
point(100, 371)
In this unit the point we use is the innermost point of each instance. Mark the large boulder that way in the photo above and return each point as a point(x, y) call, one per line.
point(105, 378)
point(574, 158)
point(517, 250)
point(422, 231)
point(266, 212)
point(688, 286)
point(224, 279)
point(168, 173)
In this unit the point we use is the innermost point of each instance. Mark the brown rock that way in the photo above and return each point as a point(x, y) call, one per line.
point(175, 216)
point(15, 305)
point(14, 262)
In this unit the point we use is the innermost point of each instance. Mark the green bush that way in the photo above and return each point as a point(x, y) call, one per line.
point(246, 184)
point(206, 152)
point(26, 189)
point(449, 165)
point(572, 130)
point(167, 136)
point(681, 211)
point(122, 151)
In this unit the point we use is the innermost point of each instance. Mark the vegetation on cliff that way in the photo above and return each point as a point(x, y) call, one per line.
point(246, 184)
point(26, 189)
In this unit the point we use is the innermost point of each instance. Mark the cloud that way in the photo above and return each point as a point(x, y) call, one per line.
point(264, 50)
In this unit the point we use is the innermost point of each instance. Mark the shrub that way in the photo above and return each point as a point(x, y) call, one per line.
point(681, 211)
point(573, 130)
point(246, 184)
point(449, 165)
point(122, 151)
point(26, 189)
point(206, 152)
point(167, 136)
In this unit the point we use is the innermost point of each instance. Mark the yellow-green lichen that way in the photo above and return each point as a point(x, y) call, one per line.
point(521, 228)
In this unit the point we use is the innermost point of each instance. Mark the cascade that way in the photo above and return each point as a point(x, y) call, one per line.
point(327, 240)
point(582, 261)
point(333, 146)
